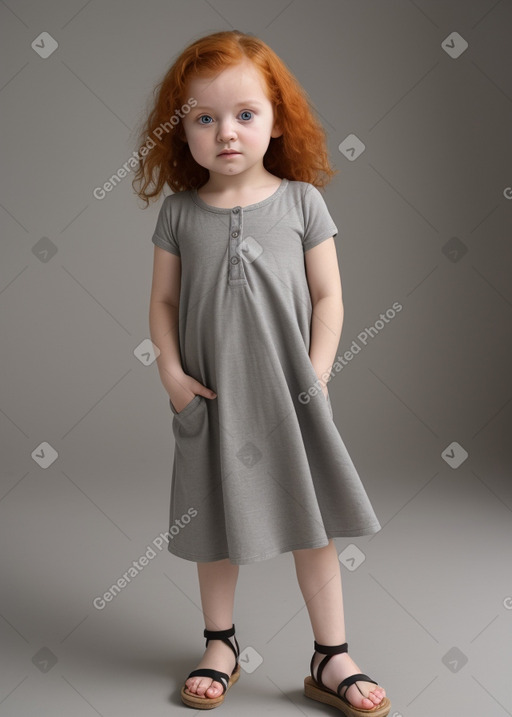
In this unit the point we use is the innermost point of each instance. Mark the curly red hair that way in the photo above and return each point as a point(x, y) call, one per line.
point(300, 153)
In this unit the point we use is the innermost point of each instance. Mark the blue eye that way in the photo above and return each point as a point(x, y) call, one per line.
point(244, 112)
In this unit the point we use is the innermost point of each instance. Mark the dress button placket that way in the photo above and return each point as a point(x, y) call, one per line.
point(236, 269)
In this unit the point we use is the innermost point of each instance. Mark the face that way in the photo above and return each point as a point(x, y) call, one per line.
point(232, 112)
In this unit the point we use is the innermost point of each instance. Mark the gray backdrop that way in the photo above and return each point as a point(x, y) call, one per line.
point(424, 405)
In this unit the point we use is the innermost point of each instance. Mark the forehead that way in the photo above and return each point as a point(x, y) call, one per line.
point(240, 80)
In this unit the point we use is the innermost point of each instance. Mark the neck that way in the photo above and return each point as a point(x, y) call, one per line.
point(251, 179)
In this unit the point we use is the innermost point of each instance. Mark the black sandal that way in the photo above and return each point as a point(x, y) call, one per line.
point(316, 690)
point(202, 702)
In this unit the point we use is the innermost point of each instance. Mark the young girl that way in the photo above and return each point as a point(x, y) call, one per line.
point(246, 311)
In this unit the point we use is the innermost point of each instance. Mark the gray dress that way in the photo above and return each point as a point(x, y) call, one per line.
point(261, 469)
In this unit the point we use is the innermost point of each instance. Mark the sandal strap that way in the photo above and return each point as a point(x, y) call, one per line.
point(224, 635)
point(350, 681)
point(329, 651)
point(214, 634)
point(221, 677)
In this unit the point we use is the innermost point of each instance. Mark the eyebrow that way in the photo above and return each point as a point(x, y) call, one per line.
point(238, 104)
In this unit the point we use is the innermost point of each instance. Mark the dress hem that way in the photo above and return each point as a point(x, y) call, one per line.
point(368, 530)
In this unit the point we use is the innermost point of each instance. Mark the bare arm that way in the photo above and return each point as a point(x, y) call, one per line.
point(324, 282)
point(163, 327)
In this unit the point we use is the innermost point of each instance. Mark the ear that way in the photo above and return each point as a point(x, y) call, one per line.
point(276, 130)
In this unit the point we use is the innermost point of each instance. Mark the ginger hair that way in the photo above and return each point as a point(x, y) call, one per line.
point(164, 157)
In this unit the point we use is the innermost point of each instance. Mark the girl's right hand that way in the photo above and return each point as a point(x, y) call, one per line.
point(183, 388)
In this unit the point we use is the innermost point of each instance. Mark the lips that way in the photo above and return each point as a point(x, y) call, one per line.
point(228, 152)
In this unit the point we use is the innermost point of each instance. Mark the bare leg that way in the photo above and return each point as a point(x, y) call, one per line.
point(217, 583)
point(319, 577)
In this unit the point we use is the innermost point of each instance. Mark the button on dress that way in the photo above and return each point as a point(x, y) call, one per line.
point(261, 469)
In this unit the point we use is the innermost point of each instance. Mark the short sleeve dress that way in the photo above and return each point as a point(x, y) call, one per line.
point(261, 469)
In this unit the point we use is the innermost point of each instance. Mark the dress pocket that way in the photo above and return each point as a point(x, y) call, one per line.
point(191, 418)
point(192, 468)
point(190, 406)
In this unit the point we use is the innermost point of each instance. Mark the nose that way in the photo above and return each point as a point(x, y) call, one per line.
point(226, 131)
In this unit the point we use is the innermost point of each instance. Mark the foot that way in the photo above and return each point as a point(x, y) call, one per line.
point(337, 669)
point(217, 656)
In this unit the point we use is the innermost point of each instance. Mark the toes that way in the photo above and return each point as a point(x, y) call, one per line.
point(376, 695)
point(358, 700)
point(200, 687)
point(367, 703)
point(196, 686)
point(207, 686)
point(191, 685)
